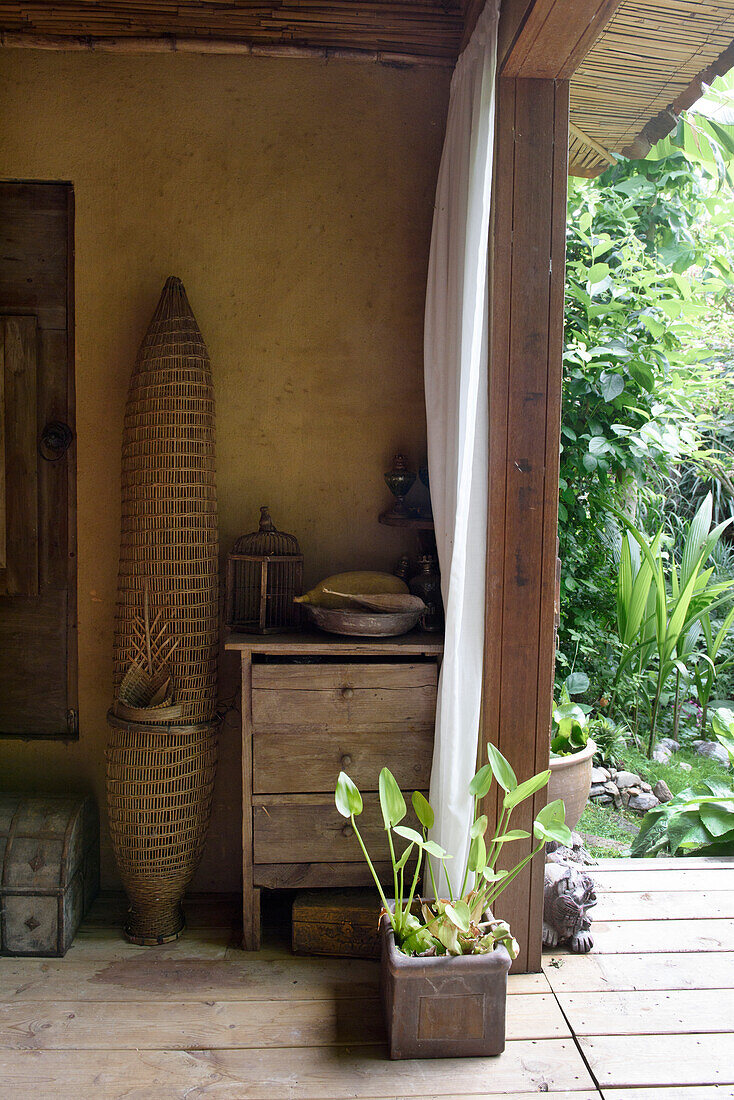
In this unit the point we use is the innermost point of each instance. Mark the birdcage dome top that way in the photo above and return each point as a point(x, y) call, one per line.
point(267, 540)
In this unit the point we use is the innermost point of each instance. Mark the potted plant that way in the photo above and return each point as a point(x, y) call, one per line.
point(445, 961)
point(572, 758)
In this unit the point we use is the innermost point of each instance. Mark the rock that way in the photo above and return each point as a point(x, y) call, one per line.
point(599, 775)
point(577, 840)
point(596, 790)
point(611, 788)
point(627, 779)
point(670, 744)
point(631, 791)
point(641, 803)
point(646, 787)
point(685, 766)
point(604, 799)
point(662, 791)
point(662, 755)
point(714, 751)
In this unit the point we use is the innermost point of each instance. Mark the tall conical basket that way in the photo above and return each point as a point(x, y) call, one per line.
point(160, 768)
point(160, 781)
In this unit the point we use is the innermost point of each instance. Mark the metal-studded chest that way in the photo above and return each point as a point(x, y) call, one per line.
point(49, 871)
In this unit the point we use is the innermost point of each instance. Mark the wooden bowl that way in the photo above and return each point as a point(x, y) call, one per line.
point(366, 624)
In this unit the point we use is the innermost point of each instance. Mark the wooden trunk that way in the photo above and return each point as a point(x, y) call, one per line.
point(49, 862)
point(341, 923)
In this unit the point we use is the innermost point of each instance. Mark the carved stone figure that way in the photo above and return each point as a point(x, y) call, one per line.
point(568, 895)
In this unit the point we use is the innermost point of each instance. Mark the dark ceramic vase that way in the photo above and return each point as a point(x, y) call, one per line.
point(399, 481)
point(427, 585)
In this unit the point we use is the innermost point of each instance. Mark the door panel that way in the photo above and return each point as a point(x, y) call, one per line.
point(38, 671)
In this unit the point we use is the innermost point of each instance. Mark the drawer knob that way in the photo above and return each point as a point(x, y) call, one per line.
point(346, 760)
point(347, 692)
point(347, 830)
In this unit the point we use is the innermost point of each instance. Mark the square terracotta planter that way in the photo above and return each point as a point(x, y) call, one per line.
point(443, 1007)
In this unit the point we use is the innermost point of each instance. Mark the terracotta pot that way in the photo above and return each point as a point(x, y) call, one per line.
point(443, 1007)
point(571, 780)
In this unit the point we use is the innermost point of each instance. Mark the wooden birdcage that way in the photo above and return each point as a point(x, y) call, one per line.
point(264, 573)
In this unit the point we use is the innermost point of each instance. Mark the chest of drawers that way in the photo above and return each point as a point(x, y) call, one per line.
point(313, 706)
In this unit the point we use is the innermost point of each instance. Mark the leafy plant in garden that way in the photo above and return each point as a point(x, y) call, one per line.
point(455, 925)
point(649, 274)
point(682, 597)
point(570, 732)
point(699, 820)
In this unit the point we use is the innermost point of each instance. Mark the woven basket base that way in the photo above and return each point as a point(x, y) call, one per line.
point(169, 926)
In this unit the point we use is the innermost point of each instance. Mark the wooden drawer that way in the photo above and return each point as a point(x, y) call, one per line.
point(308, 828)
point(343, 698)
point(299, 762)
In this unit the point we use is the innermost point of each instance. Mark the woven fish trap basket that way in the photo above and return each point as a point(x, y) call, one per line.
point(160, 781)
point(169, 536)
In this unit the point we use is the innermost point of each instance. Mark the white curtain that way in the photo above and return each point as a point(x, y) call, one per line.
point(456, 385)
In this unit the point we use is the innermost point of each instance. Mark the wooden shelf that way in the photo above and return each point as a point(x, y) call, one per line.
point(413, 523)
point(317, 643)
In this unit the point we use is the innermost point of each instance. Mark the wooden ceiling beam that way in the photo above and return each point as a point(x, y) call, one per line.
point(555, 36)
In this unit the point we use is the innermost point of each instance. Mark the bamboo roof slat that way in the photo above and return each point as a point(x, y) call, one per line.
point(646, 66)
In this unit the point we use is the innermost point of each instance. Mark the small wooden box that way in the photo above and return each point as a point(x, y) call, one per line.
point(341, 923)
point(49, 871)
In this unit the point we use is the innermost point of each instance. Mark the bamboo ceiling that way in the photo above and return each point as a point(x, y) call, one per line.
point(424, 28)
point(648, 60)
point(643, 69)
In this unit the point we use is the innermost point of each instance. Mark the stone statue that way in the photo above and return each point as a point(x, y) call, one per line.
point(568, 894)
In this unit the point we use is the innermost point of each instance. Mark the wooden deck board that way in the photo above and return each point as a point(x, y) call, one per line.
point(199, 1025)
point(652, 1012)
point(648, 1014)
point(660, 1060)
point(310, 1073)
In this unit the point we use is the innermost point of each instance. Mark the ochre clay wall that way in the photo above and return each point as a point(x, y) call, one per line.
point(294, 198)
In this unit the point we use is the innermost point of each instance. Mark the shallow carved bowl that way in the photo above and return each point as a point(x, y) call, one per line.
point(366, 624)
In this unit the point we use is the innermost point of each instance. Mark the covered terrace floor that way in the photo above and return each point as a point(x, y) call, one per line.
point(648, 1015)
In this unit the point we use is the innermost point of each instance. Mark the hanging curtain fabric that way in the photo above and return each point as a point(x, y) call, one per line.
point(455, 356)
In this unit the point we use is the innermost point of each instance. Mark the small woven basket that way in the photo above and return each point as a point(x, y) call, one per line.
point(159, 794)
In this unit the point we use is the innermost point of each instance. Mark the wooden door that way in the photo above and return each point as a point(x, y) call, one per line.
point(38, 665)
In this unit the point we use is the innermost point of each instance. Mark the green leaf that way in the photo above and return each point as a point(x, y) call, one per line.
point(611, 385)
point(555, 830)
point(432, 849)
point(513, 834)
point(409, 834)
point(392, 802)
point(460, 915)
point(482, 781)
point(597, 273)
point(347, 797)
point(526, 790)
point(479, 827)
point(577, 683)
point(404, 858)
point(718, 817)
point(501, 769)
point(423, 810)
point(477, 855)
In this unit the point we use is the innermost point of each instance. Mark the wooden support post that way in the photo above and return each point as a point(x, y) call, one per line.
point(527, 263)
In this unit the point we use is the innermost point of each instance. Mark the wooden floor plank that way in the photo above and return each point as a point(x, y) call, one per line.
point(312, 1073)
point(676, 1011)
point(672, 878)
point(624, 1061)
point(681, 1092)
point(587, 973)
point(197, 1025)
point(661, 905)
point(169, 979)
point(633, 937)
